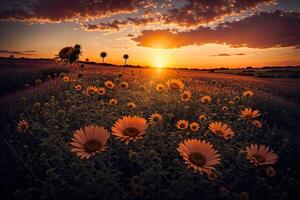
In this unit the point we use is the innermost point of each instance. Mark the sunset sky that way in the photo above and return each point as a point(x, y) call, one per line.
point(160, 33)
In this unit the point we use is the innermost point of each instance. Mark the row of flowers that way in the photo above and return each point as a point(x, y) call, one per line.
point(200, 155)
point(172, 84)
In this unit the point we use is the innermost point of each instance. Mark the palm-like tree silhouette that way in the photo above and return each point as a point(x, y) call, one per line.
point(103, 55)
point(126, 56)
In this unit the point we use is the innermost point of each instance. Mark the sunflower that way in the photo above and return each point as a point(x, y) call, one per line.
point(236, 98)
point(221, 129)
point(91, 90)
point(182, 124)
point(175, 84)
point(88, 141)
point(113, 102)
point(271, 172)
point(248, 113)
point(186, 95)
point(155, 118)
point(261, 155)
point(160, 87)
point(129, 128)
point(256, 123)
point(22, 126)
point(205, 99)
point(202, 117)
point(66, 79)
point(199, 155)
point(77, 87)
point(224, 108)
point(248, 93)
point(194, 126)
point(131, 105)
point(109, 84)
point(124, 85)
point(101, 91)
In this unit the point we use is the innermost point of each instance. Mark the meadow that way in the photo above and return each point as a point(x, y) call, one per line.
point(17, 74)
point(105, 132)
point(266, 72)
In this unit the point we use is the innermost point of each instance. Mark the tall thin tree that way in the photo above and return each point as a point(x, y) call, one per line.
point(125, 56)
point(103, 55)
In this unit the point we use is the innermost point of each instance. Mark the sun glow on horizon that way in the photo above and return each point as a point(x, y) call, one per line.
point(160, 59)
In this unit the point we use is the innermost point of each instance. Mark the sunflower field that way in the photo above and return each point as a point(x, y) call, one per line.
point(148, 135)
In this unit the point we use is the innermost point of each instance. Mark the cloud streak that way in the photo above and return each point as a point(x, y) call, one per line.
point(24, 53)
point(227, 54)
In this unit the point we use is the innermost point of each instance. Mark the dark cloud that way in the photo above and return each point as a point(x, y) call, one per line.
point(227, 54)
point(116, 25)
point(191, 13)
point(129, 35)
point(196, 12)
point(66, 10)
point(264, 30)
point(24, 53)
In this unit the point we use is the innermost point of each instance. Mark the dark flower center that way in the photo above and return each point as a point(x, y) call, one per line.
point(92, 145)
point(182, 125)
point(156, 119)
point(185, 96)
point(259, 158)
point(219, 132)
point(197, 159)
point(174, 86)
point(248, 116)
point(131, 132)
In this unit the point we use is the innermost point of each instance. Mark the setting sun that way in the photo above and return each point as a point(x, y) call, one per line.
point(159, 62)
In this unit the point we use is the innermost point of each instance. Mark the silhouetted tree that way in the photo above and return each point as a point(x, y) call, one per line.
point(74, 56)
point(69, 54)
point(11, 56)
point(126, 56)
point(103, 55)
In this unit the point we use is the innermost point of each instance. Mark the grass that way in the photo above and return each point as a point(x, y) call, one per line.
point(17, 74)
point(38, 163)
point(269, 72)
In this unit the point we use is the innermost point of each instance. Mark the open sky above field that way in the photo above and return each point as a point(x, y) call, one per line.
point(160, 33)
